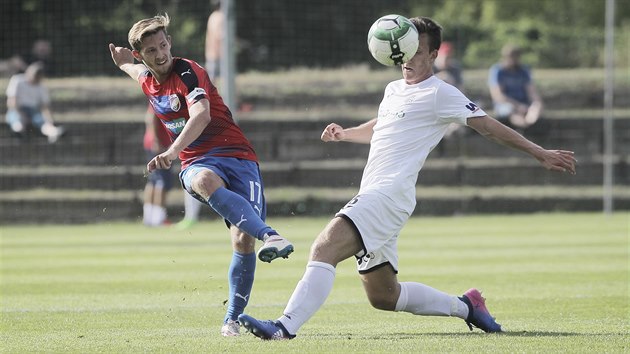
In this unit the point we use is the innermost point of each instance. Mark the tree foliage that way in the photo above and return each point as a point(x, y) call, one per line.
point(558, 33)
point(284, 33)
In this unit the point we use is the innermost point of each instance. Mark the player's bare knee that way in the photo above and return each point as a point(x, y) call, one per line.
point(335, 243)
point(206, 182)
point(383, 302)
point(323, 251)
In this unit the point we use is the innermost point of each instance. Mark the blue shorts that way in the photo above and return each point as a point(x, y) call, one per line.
point(160, 178)
point(240, 176)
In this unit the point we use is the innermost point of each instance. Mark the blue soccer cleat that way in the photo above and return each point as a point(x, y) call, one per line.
point(478, 314)
point(267, 330)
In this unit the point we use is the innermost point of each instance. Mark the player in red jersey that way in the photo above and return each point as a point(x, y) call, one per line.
point(219, 165)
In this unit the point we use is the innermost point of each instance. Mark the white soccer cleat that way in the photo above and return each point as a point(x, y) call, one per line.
point(231, 328)
point(275, 246)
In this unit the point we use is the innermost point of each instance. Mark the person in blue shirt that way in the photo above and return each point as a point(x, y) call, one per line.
point(516, 100)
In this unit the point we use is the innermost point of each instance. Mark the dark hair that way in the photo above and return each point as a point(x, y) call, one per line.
point(431, 28)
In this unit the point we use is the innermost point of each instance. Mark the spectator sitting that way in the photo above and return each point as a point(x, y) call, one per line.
point(514, 95)
point(28, 104)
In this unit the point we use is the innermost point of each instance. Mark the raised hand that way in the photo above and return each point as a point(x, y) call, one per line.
point(121, 55)
point(333, 132)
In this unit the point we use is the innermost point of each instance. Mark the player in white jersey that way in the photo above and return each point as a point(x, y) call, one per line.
point(412, 119)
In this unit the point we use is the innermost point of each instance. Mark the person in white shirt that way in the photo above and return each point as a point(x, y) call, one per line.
point(412, 119)
point(28, 103)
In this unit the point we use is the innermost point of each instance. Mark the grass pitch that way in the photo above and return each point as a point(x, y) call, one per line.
point(556, 282)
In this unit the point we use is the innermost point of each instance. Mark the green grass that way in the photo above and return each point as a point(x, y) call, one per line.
point(556, 282)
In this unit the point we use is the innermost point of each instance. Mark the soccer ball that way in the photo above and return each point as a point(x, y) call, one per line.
point(392, 40)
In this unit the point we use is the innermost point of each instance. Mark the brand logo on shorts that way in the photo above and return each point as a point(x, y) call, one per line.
point(365, 258)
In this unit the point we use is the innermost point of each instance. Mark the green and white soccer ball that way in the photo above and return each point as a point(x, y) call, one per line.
point(393, 40)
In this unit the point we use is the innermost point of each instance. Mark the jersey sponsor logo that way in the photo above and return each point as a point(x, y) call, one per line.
point(186, 72)
point(173, 101)
point(176, 126)
point(391, 114)
point(194, 94)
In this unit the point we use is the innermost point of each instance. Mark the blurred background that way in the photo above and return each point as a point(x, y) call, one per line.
point(281, 34)
point(298, 66)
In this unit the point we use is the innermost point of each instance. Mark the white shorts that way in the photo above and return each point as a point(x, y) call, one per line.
point(378, 221)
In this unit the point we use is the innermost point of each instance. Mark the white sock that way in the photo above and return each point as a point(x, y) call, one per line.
point(191, 207)
point(147, 212)
point(158, 216)
point(421, 299)
point(309, 295)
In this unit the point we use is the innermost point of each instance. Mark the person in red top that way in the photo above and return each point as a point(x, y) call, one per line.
point(219, 165)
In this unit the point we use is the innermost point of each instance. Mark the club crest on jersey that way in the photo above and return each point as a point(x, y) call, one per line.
point(173, 100)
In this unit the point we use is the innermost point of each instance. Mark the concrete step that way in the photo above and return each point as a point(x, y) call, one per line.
point(326, 173)
point(40, 206)
point(120, 144)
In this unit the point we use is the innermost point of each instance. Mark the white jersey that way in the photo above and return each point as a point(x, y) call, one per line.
point(412, 119)
point(27, 94)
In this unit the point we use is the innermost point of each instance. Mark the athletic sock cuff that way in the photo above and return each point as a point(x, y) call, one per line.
point(323, 265)
point(402, 299)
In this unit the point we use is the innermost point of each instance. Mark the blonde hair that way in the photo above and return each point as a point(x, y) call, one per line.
point(147, 27)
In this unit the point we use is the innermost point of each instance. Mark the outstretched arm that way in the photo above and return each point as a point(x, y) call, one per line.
point(554, 160)
point(199, 119)
point(361, 134)
point(124, 59)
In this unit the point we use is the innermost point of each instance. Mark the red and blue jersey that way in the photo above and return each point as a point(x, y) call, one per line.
point(187, 84)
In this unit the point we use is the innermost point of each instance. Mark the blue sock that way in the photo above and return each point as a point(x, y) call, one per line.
point(241, 279)
point(235, 209)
